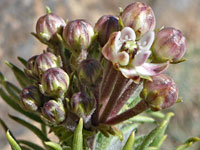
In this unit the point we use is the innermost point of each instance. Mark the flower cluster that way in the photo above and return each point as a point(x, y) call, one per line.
point(91, 73)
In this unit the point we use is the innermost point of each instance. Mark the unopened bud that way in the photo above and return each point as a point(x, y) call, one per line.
point(140, 17)
point(106, 25)
point(82, 105)
point(90, 72)
point(30, 98)
point(78, 35)
point(54, 82)
point(160, 93)
point(46, 61)
point(54, 112)
point(48, 26)
point(169, 45)
point(29, 70)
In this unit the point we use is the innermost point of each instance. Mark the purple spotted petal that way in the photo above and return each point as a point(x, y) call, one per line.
point(149, 69)
point(141, 57)
point(146, 41)
point(128, 34)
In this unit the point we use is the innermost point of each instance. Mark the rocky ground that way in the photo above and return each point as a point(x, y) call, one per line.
point(18, 18)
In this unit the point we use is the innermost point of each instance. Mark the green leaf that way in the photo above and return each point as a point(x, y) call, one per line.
point(188, 143)
point(16, 107)
point(22, 60)
point(30, 144)
point(31, 127)
point(53, 145)
point(138, 141)
point(154, 133)
point(161, 141)
point(21, 77)
point(142, 119)
point(130, 142)
point(12, 142)
point(78, 136)
point(156, 114)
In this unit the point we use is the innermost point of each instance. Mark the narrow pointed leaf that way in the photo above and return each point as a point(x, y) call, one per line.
point(53, 145)
point(156, 114)
point(154, 133)
point(130, 142)
point(138, 141)
point(21, 77)
point(161, 141)
point(22, 60)
point(188, 143)
point(78, 136)
point(31, 127)
point(25, 148)
point(30, 144)
point(142, 119)
point(16, 107)
point(12, 142)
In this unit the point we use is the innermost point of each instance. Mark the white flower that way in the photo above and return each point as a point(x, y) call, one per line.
point(130, 56)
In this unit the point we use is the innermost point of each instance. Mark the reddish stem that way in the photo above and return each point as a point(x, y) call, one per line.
point(139, 108)
point(118, 89)
point(109, 84)
point(124, 98)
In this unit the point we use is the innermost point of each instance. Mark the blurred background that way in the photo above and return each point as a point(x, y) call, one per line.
point(18, 19)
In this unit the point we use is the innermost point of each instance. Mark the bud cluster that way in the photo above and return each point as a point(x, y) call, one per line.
point(91, 73)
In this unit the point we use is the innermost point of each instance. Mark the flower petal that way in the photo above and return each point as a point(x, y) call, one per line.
point(149, 69)
point(128, 34)
point(128, 72)
point(141, 57)
point(146, 41)
point(123, 58)
point(111, 48)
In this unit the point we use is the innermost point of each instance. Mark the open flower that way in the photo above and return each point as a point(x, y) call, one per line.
point(131, 56)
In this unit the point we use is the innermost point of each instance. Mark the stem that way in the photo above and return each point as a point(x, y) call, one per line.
point(124, 98)
point(139, 108)
point(95, 116)
point(111, 79)
point(118, 89)
point(105, 76)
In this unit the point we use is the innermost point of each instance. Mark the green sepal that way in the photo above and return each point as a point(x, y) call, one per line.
point(53, 145)
point(156, 114)
point(30, 144)
point(16, 107)
point(31, 127)
point(48, 10)
point(130, 142)
point(21, 77)
point(188, 143)
point(22, 60)
point(155, 133)
point(78, 136)
point(13, 143)
point(178, 61)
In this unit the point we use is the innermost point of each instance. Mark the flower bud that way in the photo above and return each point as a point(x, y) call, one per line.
point(90, 72)
point(139, 17)
point(54, 82)
point(46, 61)
point(54, 112)
point(78, 35)
point(29, 70)
point(48, 26)
point(30, 98)
point(160, 93)
point(82, 105)
point(169, 44)
point(106, 25)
